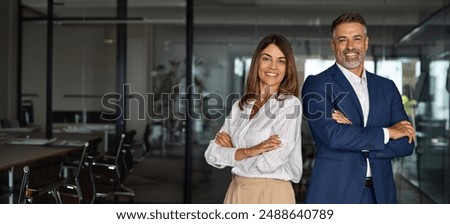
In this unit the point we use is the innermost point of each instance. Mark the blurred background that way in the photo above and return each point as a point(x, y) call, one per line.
point(115, 65)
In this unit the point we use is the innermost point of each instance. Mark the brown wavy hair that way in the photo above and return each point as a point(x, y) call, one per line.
point(290, 83)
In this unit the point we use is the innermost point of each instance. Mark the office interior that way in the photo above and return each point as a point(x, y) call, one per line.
point(172, 69)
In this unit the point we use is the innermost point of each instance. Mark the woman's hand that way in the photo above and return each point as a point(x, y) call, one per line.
point(223, 139)
point(270, 144)
point(340, 118)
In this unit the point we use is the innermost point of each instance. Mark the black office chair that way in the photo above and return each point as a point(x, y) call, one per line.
point(27, 114)
point(5, 123)
point(110, 170)
point(79, 187)
point(147, 133)
point(41, 180)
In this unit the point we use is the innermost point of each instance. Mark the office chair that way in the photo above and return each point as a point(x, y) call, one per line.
point(5, 123)
point(147, 134)
point(80, 188)
point(110, 170)
point(40, 179)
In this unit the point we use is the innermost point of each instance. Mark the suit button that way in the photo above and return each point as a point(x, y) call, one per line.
point(365, 154)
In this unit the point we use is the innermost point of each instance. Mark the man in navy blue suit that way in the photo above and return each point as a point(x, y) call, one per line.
point(357, 121)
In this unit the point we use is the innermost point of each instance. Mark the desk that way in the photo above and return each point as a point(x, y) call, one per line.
point(60, 137)
point(91, 128)
point(18, 155)
point(21, 130)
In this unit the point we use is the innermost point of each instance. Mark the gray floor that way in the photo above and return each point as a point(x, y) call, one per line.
point(159, 179)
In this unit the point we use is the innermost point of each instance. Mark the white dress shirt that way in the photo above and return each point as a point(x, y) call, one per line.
point(359, 85)
point(282, 118)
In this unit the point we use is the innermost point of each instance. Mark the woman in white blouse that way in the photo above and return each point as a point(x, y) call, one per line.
point(261, 138)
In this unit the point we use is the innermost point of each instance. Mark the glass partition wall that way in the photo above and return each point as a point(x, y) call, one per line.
point(86, 56)
point(426, 98)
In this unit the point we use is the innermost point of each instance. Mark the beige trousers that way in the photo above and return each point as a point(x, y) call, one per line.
point(243, 190)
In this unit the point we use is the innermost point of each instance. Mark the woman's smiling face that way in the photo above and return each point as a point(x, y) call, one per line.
point(271, 69)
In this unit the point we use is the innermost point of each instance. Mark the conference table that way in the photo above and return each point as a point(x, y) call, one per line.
point(19, 155)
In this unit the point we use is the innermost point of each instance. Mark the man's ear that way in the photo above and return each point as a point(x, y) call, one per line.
point(367, 43)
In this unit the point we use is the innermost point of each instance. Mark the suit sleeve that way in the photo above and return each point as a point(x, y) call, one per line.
point(318, 104)
point(317, 107)
point(399, 147)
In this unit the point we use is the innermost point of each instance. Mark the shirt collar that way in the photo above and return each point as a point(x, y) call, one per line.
point(352, 78)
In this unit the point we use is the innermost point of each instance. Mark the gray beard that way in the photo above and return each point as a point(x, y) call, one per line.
point(351, 64)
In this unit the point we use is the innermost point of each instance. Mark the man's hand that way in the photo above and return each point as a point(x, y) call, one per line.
point(402, 129)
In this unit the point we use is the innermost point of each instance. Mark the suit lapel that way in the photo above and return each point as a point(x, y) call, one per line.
point(340, 79)
point(371, 88)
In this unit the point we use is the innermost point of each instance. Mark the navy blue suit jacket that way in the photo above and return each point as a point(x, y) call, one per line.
point(339, 171)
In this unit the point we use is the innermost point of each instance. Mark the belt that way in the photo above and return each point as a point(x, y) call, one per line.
point(369, 183)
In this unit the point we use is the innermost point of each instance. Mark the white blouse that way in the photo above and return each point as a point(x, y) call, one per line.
point(282, 118)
